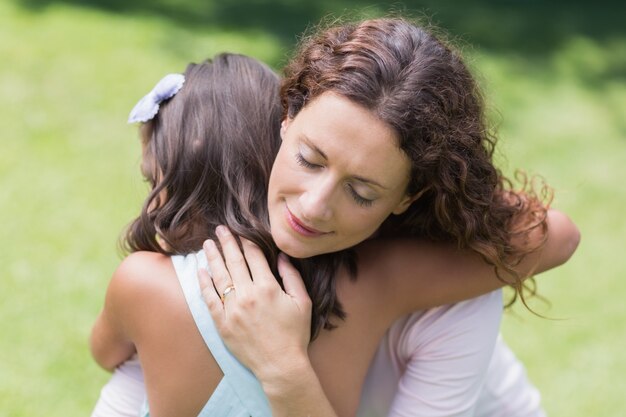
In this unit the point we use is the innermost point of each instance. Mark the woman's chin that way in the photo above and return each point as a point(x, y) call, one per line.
point(295, 251)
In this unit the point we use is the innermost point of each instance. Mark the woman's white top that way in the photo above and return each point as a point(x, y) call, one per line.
point(449, 361)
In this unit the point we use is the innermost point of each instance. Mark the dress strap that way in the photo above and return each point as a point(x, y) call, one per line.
point(242, 382)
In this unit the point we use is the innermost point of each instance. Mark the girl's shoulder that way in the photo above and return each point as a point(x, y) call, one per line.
point(174, 357)
point(141, 271)
point(144, 284)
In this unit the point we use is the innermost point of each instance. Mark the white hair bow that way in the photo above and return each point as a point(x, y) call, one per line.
point(148, 106)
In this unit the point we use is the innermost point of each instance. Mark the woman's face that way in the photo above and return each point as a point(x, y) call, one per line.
point(338, 175)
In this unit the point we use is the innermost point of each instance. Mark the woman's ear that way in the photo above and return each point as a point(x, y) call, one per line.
point(405, 204)
point(283, 127)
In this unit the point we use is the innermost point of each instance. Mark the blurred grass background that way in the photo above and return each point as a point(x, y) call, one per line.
point(555, 77)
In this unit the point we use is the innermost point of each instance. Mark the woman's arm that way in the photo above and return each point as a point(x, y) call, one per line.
point(419, 274)
point(449, 346)
point(412, 275)
point(279, 359)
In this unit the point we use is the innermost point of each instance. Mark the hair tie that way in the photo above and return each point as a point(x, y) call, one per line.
point(148, 106)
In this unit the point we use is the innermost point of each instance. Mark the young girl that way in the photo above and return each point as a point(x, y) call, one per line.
point(210, 144)
point(209, 138)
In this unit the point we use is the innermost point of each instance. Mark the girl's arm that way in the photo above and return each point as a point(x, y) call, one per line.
point(124, 393)
point(109, 342)
point(126, 303)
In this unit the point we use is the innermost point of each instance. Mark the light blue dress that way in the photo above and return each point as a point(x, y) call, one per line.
point(239, 393)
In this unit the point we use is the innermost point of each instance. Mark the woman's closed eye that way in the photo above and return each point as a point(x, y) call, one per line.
point(362, 201)
point(303, 162)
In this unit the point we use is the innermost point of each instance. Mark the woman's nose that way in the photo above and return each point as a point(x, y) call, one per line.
point(316, 202)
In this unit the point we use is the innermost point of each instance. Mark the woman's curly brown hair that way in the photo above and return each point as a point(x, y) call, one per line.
point(422, 88)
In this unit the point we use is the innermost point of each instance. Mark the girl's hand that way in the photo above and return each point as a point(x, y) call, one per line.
point(266, 328)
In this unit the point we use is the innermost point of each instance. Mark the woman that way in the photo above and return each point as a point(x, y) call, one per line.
point(184, 354)
point(391, 80)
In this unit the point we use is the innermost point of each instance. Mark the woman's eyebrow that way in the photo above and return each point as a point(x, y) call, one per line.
point(310, 143)
point(369, 181)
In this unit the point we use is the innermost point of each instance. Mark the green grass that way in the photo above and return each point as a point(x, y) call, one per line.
point(563, 117)
point(70, 179)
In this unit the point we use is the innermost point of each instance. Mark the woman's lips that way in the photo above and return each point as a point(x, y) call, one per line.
point(297, 225)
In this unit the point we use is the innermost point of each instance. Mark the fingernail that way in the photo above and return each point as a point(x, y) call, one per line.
point(221, 230)
point(209, 245)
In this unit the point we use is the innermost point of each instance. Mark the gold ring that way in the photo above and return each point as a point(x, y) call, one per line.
point(227, 291)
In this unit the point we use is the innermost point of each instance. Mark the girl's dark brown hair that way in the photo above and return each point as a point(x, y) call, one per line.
point(421, 87)
point(208, 154)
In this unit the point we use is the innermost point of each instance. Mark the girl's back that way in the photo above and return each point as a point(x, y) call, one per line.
point(178, 365)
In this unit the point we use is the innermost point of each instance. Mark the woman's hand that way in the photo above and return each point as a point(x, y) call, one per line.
point(266, 328)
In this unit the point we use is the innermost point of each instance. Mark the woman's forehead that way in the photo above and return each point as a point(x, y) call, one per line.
point(352, 136)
